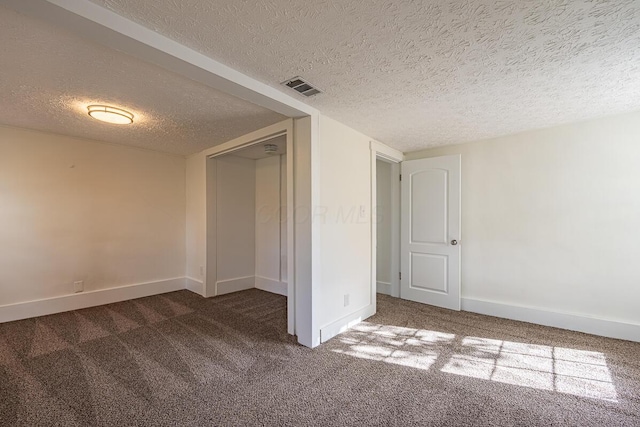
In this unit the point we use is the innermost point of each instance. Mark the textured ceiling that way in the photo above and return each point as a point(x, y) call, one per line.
point(49, 76)
point(416, 74)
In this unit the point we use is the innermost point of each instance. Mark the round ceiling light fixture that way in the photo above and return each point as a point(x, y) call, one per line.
point(109, 114)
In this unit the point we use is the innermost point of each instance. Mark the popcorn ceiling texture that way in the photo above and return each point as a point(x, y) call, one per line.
point(416, 74)
point(49, 77)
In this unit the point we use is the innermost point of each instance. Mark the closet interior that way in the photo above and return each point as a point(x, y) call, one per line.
point(251, 218)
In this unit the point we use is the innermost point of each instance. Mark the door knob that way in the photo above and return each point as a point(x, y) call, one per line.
point(454, 242)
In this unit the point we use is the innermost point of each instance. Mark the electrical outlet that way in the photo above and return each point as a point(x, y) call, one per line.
point(78, 286)
point(363, 211)
point(346, 300)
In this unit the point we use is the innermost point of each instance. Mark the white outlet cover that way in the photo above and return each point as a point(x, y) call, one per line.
point(78, 286)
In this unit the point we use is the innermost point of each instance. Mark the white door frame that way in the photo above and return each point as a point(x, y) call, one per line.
point(387, 154)
point(279, 129)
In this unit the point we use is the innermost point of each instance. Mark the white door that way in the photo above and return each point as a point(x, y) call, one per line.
point(430, 252)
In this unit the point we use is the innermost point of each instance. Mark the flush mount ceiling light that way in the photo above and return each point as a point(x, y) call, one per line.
point(109, 114)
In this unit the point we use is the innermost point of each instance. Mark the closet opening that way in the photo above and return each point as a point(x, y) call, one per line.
point(249, 235)
point(385, 231)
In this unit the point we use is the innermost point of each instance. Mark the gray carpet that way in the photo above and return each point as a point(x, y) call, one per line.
point(178, 359)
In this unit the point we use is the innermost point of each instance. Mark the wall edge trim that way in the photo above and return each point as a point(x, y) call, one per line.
point(194, 285)
point(273, 286)
point(339, 326)
point(61, 304)
point(234, 285)
point(572, 322)
point(383, 288)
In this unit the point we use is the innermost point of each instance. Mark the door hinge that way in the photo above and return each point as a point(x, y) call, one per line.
point(400, 276)
point(400, 177)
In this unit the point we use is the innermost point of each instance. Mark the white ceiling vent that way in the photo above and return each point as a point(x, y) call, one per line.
point(301, 86)
point(270, 149)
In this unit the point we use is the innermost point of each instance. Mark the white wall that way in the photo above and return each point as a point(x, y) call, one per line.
point(271, 226)
point(284, 254)
point(550, 218)
point(236, 218)
point(344, 231)
point(307, 251)
point(74, 209)
point(383, 227)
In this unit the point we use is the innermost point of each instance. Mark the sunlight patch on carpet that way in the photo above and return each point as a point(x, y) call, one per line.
point(414, 348)
point(565, 370)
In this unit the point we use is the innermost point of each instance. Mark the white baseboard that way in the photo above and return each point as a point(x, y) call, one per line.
point(194, 285)
point(44, 307)
point(209, 289)
point(572, 322)
point(235, 285)
point(341, 325)
point(270, 285)
point(383, 288)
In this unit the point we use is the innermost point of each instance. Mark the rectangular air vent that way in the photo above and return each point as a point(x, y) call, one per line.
point(301, 86)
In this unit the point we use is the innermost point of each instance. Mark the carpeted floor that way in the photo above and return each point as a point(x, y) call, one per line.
point(181, 360)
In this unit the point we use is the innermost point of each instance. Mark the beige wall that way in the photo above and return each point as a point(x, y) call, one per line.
point(236, 217)
point(550, 218)
point(196, 222)
point(73, 209)
point(270, 222)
